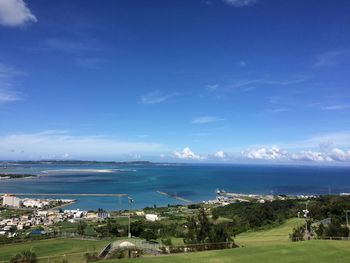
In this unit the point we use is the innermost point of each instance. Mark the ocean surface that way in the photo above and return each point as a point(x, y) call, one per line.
point(194, 182)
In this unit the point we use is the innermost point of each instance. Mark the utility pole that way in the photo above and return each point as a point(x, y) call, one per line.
point(347, 218)
point(130, 200)
point(306, 212)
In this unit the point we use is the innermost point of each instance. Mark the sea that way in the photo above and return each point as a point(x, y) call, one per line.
point(195, 182)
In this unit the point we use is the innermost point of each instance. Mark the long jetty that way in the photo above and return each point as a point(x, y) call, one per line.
point(174, 196)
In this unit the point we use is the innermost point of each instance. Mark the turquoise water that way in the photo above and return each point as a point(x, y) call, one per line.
point(193, 182)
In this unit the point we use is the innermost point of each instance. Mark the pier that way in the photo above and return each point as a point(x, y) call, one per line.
point(174, 196)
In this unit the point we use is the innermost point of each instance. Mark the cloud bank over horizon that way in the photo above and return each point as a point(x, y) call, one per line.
point(61, 144)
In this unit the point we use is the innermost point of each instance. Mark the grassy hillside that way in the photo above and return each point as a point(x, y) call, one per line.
point(269, 245)
point(308, 251)
point(275, 235)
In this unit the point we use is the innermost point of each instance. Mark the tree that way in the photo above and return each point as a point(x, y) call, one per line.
point(204, 231)
point(191, 236)
point(204, 226)
point(320, 230)
point(112, 228)
point(219, 233)
point(297, 234)
point(335, 229)
point(81, 227)
point(167, 241)
point(148, 234)
point(137, 228)
point(24, 257)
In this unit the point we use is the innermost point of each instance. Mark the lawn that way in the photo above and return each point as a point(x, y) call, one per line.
point(276, 235)
point(53, 247)
point(271, 245)
point(307, 251)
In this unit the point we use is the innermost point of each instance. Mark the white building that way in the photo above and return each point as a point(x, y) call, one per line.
point(11, 200)
point(34, 203)
point(151, 217)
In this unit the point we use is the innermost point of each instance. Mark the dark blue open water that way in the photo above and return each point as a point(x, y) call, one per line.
point(193, 182)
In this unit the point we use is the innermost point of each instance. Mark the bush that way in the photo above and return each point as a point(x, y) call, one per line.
point(24, 257)
point(118, 253)
point(335, 229)
point(81, 227)
point(91, 257)
point(297, 234)
point(167, 241)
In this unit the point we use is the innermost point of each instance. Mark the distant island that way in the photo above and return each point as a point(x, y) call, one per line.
point(15, 176)
point(74, 162)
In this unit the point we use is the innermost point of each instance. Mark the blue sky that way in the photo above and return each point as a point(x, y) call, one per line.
point(216, 80)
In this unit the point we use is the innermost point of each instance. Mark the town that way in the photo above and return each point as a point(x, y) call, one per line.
point(44, 213)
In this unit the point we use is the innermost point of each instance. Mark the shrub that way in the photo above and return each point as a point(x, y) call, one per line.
point(24, 257)
point(91, 257)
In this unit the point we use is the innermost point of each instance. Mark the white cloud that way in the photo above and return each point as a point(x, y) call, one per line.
point(333, 58)
point(341, 139)
point(274, 153)
point(71, 46)
point(63, 144)
point(220, 155)
point(240, 3)
point(340, 155)
point(337, 107)
point(9, 96)
point(311, 156)
point(15, 13)
point(278, 110)
point(156, 97)
point(212, 87)
point(324, 142)
point(7, 77)
point(187, 154)
point(206, 119)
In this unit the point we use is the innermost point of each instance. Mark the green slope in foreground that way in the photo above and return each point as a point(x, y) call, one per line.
point(270, 245)
point(308, 251)
point(276, 235)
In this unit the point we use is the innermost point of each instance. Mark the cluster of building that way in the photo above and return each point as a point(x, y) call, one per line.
point(16, 202)
point(10, 227)
point(224, 198)
point(42, 214)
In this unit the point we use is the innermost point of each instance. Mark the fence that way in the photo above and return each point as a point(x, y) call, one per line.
point(49, 236)
point(322, 238)
point(197, 247)
point(70, 257)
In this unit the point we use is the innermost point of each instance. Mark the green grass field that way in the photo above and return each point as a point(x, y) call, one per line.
point(54, 247)
point(271, 245)
point(276, 235)
point(308, 251)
